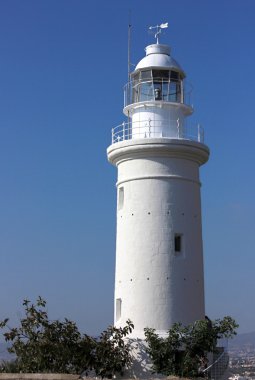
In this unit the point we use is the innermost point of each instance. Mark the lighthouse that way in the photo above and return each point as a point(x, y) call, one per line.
point(159, 276)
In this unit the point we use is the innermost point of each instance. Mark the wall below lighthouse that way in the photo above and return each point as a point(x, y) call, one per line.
point(159, 257)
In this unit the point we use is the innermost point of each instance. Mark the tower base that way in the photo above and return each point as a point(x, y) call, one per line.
point(141, 367)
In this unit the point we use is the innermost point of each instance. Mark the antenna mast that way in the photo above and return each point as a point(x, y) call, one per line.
point(129, 43)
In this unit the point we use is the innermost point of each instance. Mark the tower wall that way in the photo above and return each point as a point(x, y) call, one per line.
point(151, 120)
point(158, 202)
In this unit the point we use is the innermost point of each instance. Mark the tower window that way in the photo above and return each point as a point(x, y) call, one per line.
point(121, 198)
point(118, 309)
point(178, 243)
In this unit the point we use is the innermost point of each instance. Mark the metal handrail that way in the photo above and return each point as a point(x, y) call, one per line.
point(157, 129)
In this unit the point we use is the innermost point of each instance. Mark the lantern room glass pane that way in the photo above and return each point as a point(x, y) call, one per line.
point(174, 75)
point(175, 91)
point(165, 90)
point(160, 74)
point(136, 77)
point(146, 75)
point(157, 90)
point(146, 91)
point(135, 93)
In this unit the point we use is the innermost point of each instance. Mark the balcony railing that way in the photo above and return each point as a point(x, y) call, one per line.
point(146, 129)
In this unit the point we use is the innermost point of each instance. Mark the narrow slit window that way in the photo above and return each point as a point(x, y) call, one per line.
point(178, 243)
point(121, 198)
point(118, 309)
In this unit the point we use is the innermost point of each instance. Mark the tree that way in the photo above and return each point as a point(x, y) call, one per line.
point(42, 345)
point(110, 354)
point(184, 351)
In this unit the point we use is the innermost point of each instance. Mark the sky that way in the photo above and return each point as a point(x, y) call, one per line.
point(63, 64)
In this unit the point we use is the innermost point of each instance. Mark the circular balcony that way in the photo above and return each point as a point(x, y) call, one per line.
point(147, 129)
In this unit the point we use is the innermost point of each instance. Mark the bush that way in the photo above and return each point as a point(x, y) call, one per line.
point(10, 366)
point(110, 354)
point(42, 345)
point(184, 351)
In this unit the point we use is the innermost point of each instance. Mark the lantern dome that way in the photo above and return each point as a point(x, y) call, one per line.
point(158, 55)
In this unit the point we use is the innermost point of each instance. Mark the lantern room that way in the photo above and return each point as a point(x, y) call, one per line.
point(157, 84)
point(157, 77)
point(156, 99)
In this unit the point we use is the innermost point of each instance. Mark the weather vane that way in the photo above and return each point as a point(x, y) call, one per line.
point(159, 28)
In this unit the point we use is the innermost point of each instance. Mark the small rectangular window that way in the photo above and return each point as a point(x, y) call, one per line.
point(118, 309)
point(178, 243)
point(121, 198)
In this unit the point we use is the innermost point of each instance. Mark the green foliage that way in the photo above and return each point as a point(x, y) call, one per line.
point(184, 351)
point(42, 345)
point(10, 366)
point(110, 354)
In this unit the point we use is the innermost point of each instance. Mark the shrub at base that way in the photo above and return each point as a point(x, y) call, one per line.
point(184, 351)
point(42, 345)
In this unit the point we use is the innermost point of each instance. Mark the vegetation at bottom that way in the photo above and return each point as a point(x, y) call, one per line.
point(51, 346)
point(42, 345)
point(184, 351)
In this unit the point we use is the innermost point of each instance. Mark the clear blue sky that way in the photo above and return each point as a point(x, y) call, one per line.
point(62, 68)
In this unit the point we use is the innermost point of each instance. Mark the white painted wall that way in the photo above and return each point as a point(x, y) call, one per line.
point(158, 287)
point(164, 120)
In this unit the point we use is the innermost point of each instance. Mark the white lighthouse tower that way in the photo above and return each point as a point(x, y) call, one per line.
point(159, 256)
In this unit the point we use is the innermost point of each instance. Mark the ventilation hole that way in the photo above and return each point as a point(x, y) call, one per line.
point(183, 213)
point(167, 278)
point(131, 279)
point(168, 212)
point(148, 278)
point(149, 213)
point(184, 279)
point(132, 214)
